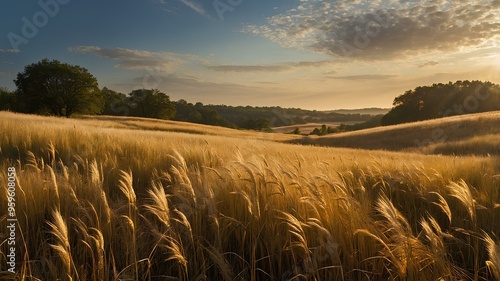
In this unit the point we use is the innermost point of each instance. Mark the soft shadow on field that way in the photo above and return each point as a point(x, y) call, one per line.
point(474, 134)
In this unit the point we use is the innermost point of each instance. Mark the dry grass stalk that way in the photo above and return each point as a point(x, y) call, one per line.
point(443, 205)
point(59, 230)
point(159, 204)
point(320, 191)
point(461, 191)
point(493, 248)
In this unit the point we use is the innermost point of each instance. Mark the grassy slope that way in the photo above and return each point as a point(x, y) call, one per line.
point(156, 203)
point(176, 126)
point(466, 134)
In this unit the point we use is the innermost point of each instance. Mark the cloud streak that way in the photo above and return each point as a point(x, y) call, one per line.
point(165, 62)
point(291, 66)
point(428, 64)
point(179, 86)
point(192, 4)
point(364, 77)
point(383, 29)
point(197, 7)
point(9, 51)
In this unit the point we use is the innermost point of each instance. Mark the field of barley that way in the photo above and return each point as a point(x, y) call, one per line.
point(112, 198)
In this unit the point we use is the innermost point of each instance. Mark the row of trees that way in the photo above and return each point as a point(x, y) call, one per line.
point(149, 103)
point(436, 101)
point(55, 88)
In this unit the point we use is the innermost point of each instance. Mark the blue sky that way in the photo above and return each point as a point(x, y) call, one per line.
point(293, 53)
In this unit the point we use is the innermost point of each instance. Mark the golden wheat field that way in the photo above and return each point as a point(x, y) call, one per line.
point(112, 198)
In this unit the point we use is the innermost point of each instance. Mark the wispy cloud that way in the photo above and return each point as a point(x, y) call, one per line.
point(269, 68)
point(138, 59)
point(191, 88)
point(428, 64)
point(192, 4)
point(9, 51)
point(195, 6)
point(364, 77)
point(384, 29)
point(249, 68)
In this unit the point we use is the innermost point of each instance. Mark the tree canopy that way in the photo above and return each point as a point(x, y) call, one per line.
point(115, 103)
point(441, 100)
point(52, 87)
point(151, 104)
point(7, 99)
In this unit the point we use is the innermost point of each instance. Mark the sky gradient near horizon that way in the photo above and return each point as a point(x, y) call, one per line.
point(310, 54)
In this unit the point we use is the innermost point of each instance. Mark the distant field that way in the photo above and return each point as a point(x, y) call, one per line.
point(136, 123)
point(465, 134)
point(305, 129)
point(118, 198)
point(371, 111)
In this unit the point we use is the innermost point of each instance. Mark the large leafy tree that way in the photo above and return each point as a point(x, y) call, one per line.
point(152, 104)
point(52, 87)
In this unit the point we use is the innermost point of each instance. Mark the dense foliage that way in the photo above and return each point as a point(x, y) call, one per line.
point(441, 100)
point(7, 99)
point(278, 116)
point(151, 104)
point(52, 87)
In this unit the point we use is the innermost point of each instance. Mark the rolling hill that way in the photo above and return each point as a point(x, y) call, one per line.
point(465, 134)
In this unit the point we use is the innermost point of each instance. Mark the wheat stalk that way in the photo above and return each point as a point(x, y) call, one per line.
point(493, 249)
point(443, 205)
point(126, 187)
point(59, 230)
point(396, 220)
point(461, 191)
point(159, 204)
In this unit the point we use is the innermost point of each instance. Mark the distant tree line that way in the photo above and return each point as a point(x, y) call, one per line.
point(55, 88)
point(436, 101)
point(324, 130)
point(60, 89)
point(149, 103)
